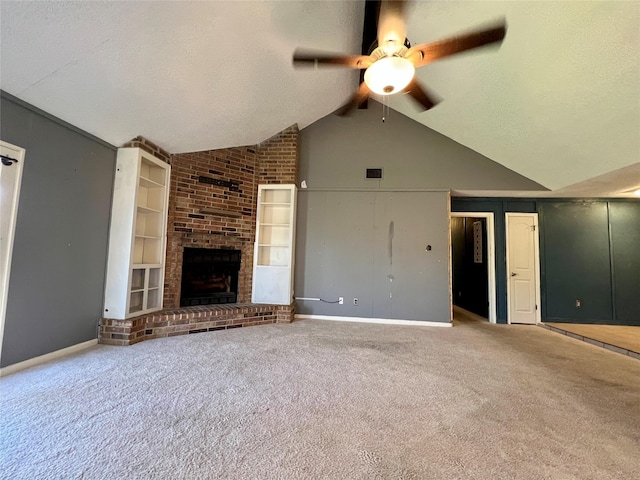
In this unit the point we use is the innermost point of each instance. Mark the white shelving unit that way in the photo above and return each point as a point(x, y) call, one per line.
point(137, 238)
point(274, 247)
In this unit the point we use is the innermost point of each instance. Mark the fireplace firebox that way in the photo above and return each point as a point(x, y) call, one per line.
point(209, 276)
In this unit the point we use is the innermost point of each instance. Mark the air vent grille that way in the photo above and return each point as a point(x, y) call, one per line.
point(374, 173)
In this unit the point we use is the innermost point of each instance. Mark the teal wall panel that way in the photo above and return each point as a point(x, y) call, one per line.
point(577, 269)
point(625, 241)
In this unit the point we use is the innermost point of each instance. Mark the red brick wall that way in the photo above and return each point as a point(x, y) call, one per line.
point(233, 226)
point(274, 158)
point(149, 147)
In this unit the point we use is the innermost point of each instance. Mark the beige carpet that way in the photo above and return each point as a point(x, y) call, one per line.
point(328, 400)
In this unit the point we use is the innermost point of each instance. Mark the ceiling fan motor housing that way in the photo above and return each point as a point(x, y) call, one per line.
point(374, 46)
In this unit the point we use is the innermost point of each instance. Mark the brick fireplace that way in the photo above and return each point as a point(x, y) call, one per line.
point(212, 205)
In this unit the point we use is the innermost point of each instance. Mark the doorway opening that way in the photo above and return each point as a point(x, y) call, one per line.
point(10, 180)
point(473, 268)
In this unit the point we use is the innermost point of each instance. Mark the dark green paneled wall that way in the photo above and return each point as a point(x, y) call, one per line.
point(625, 241)
point(589, 251)
point(576, 267)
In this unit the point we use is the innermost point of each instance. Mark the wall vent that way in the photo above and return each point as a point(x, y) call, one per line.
point(374, 173)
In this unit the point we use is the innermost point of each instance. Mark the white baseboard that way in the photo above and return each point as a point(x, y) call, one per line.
point(32, 362)
point(389, 321)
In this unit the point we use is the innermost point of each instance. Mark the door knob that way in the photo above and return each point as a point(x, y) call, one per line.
point(513, 274)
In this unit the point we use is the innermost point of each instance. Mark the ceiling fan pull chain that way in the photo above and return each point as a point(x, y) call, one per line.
point(385, 108)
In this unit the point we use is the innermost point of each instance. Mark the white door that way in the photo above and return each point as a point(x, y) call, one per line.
point(522, 267)
point(10, 176)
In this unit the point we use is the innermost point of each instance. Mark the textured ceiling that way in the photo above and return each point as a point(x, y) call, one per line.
point(558, 103)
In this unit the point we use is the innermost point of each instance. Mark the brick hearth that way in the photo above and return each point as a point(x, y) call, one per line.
point(182, 321)
point(212, 204)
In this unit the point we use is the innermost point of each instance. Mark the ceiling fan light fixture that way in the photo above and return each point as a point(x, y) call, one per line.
point(389, 75)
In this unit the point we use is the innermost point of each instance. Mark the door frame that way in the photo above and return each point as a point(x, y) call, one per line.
point(491, 258)
point(536, 262)
point(9, 210)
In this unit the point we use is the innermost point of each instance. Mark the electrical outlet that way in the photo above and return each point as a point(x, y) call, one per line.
point(355, 302)
point(340, 301)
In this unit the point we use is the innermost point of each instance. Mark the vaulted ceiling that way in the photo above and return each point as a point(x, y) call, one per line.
point(559, 102)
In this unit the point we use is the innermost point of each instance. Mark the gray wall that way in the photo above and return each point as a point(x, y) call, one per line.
point(59, 256)
point(335, 151)
point(367, 238)
point(373, 246)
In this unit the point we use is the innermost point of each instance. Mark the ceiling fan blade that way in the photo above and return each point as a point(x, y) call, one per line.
point(420, 95)
point(358, 99)
point(428, 52)
point(335, 59)
point(391, 24)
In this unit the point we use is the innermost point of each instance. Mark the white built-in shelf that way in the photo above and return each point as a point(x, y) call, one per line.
point(137, 240)
point(146, 182)
point(143, 210)
point(274, 247)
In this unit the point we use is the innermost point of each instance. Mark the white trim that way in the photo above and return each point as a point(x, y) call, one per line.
point(32, 362)
point(9, 208)
point(450, 257)
point(491, 257)
point(536, 262)
point(536, 249)
point(389, 321)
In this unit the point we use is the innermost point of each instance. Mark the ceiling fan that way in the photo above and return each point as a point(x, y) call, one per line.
point(389, 67)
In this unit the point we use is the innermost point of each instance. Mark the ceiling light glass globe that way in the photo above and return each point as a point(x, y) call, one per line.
point(389, 75)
